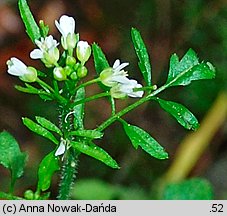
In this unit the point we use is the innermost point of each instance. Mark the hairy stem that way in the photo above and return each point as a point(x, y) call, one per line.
point(68, 175)
point(69, 167)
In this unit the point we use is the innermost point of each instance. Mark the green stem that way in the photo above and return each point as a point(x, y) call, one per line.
point(113, 108)
point(90, 82)
point(117, 116)
point(48, 88)
point(69, 168)
point(94, 97)
point(68, 175)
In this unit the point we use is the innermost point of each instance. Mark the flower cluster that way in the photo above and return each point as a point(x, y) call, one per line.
point(116, 78)
point(49, 54)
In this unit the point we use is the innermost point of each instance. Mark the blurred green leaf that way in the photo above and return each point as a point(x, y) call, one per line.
point(141, 51)
point(141, 138)
point(48, 166)
point(11, 157)
point(31, 26)
point(193, 189)
point(48, 125)
point(39, 130)
point(92, 134)
point(95, 152)
point(95, 189)
point(180, 113)
point(79, 110)
point(188, 69)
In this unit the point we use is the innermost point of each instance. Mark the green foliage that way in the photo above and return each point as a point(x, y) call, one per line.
point(188, 69)
point(11, 156)
point(193, 189)
point(141, 51)
point(141, 138)
point(95, 189)
point(48, 166)
point(36, 128)
point(96, 152)
point(64, 85)
point(100, 60)
point(79, 110)
point(91, 134)
point(31, 26)
point(180, 113)
point(48, 125)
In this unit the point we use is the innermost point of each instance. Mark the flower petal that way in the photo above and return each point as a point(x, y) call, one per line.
point(36, 54)
point(116, 64)
point(16, 67)
point(66, 25)
point(60, 150)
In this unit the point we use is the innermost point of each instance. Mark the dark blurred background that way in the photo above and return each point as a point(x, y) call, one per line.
point(167, 26)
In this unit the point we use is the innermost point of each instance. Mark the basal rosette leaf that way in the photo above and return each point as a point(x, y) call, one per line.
point(141, 138)
point(143, 56)
point(31, 26)
point(48, 166)
point(96, 152)
point(11, 156)
point(192, 189)
point(188, 69)
point(180, 113)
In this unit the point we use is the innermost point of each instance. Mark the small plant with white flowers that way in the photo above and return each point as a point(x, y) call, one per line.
point(64, 84)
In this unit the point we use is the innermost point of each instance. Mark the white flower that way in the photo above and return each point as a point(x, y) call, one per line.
point(128, 88)
point(17, 68)
point(47, 51)
point(61, 148)
point(111, 76)
point(83, 51)
point(66, 26)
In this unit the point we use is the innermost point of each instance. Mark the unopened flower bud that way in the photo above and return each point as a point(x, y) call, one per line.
point(83, 51)
point(31, 76)
point(70, 61)
point(68, 70)
point(73, 75)
point(82, 72)
point(59, 74)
